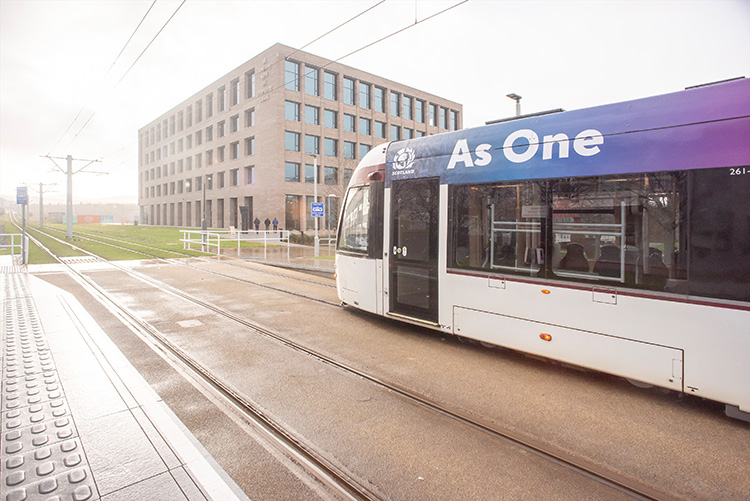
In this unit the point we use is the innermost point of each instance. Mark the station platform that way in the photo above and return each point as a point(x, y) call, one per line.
point(78, 421)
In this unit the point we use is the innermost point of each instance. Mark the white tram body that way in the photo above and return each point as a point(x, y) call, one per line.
point(615, 238)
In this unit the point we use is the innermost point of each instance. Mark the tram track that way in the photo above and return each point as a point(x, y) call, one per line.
point(324, 470)
point(566, 460)
point(102, 240)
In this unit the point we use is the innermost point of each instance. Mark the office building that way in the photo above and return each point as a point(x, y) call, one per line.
point(252, 138)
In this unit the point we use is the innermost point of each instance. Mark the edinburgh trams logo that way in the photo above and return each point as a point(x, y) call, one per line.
point(404, 159)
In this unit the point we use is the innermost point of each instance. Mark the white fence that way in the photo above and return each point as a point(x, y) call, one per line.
point(22, 245)
point(214, 241)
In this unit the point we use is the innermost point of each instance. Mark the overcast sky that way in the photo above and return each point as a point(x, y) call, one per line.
point(56, 58)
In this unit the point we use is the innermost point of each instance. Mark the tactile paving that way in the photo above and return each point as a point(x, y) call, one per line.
point(42, 456)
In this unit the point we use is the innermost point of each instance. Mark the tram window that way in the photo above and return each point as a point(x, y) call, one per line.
point(619, 230)
point(355, 221)
point(720, 233)
point(498, 227)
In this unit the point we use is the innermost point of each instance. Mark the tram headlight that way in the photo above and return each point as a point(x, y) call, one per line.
point(545, 337)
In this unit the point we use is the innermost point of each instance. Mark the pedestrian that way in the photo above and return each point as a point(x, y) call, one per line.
point(275, 224)
point(257, 224)
point(267, 222)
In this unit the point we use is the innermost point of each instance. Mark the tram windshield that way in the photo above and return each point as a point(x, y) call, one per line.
point(355, 221)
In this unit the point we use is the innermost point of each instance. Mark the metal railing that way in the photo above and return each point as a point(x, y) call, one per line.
point(215, 240)
point(22, 245)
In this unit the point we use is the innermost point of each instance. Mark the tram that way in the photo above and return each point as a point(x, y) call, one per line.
point(615, 238)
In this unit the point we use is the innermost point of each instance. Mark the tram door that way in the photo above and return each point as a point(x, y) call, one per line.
point(414, 248)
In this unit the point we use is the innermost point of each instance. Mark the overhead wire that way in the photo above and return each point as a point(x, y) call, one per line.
point(107, 73)
point(131, 66)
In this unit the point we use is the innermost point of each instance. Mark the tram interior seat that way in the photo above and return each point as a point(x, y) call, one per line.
point(575, 258)
point(608, 264)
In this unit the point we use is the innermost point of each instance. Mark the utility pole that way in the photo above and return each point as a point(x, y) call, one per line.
point(41, 203)
point(69, 173)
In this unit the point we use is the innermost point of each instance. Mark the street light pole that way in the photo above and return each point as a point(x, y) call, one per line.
point(315, 199)
point(517, 99)
point(204, 223)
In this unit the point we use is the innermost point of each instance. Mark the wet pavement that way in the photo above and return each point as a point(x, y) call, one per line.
point(300, 257)
point(78, 421)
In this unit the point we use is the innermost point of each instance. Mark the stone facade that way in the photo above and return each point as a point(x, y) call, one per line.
point(251, 137)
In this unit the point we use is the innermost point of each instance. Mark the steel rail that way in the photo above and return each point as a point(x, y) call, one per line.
point(86, 236)
point(327, 472)
point(585, 468)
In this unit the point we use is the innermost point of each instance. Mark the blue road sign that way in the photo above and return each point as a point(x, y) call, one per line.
point(22, 195)
point(317, 209)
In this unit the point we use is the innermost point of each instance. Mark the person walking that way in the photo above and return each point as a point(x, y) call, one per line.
point(257, 224)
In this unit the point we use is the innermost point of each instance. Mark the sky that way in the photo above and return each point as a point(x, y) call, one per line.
point(64, 90)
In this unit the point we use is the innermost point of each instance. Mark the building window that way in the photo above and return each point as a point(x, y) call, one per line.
point(395, 97)
point(379, 129)
point(408, 133)
point(189, 141)
point(219, 180)
point(408, 108)
point(291, 111)
point(198, 111)
point(349, 149)
point(379, 100)
point(330, 119)
point(331, 176)
point(198, 160)
point(235, 90)
point(209, 133)
point(349, 122)
point(292, 212)
point(312, 115)
point(250, 117)
point(311, 81)
point(189, 163)
point(348, 90)
point(329, 86)
point(364, 126)
point(433, 115)
point(291, 172)
point(221, 98)
point(364, 95)
point(234, 123)
point(331, 147)
point(443, 118)
point(250, 174)
point(312, 144)
point(234, 150)
point(395, 132)
point(419, 110)
point(234, 177)
point(453, 120)
point(363, 149)
point(199, 183)
point(347, 176)
point(291, 75)
point(249, 146)
point(291, 141)
point(250, 83)
point(221, 128)
point(189, 116)
point(210, 157)
point(310, 173)
point(180, 122)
